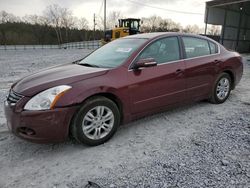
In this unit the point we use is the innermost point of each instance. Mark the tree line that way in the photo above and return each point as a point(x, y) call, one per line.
point(26, 33)
point(58, 25)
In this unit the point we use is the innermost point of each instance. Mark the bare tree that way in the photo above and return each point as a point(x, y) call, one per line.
point(111, 22)
point(192, 29)
point(113, 18)
point(39, 26)
point(53, 14)
point(61, 18)
point(8, 17)
point(151, 24)
point(169, 25)
point(68, 21)
point(35, 19)
point(32, 19)
point(83, 24)
point(214, 30)
point(3, 17)
point(99, 22)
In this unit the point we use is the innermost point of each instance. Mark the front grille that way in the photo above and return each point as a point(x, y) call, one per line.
point(13, 98)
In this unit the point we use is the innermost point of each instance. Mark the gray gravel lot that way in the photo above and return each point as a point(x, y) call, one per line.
point(197, 145)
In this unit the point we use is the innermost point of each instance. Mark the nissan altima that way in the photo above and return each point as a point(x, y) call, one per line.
point(124, 80)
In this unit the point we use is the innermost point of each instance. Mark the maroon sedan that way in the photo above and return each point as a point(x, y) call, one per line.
point(121, 81)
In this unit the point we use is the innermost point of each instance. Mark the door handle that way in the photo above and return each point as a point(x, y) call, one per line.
point(217, 61)
point(179, 71)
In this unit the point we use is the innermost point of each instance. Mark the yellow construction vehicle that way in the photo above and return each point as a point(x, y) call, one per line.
point(129, 26)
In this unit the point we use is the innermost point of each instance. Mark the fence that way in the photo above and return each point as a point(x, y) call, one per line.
point(72, 45)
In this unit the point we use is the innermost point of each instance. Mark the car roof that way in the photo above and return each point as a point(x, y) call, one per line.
point(163, 34)
point(151, 35)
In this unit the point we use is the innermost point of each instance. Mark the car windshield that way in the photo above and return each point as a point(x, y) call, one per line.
point(112, 54)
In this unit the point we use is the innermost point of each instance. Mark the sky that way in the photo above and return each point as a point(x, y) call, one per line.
point(128, 8)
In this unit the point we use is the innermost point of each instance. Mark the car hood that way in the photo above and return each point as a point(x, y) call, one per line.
point(59, 75)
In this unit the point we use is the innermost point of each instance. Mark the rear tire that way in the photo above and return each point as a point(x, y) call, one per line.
point(96, 121)
point(221, 89)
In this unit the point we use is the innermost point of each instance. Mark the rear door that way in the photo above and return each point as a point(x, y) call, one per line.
point(154, 87)
point(200, 66)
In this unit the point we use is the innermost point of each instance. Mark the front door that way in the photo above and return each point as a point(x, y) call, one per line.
point(154, 87)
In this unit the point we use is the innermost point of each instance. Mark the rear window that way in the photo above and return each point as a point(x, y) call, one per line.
point(195, 47)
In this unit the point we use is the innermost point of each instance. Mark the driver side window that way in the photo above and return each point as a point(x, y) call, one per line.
point(162, 50)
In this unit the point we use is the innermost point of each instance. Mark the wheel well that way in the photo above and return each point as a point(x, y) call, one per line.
point(231, 76)
point(112, 97)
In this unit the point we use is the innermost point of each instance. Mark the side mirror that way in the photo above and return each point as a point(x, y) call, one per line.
point(148, 62)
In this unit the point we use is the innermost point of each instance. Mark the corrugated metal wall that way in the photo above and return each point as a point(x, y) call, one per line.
point(235, 22)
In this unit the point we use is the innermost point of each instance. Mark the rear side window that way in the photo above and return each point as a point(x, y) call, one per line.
point(213, 48)
point(195, 47)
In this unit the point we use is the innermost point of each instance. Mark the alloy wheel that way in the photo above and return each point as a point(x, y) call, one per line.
point(98, 122)
point(223, 88)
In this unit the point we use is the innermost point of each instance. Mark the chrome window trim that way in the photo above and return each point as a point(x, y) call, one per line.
point(169, 62)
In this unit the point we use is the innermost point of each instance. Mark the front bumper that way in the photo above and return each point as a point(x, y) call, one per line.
point(40, 126)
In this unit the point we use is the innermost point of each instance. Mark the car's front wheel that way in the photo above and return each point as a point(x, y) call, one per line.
point(96, 121)
point(221, 89)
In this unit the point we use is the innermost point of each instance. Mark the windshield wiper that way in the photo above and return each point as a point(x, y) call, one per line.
point(77, 61)
point(88, 65)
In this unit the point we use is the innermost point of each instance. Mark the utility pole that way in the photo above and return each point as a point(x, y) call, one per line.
point(104, 16)
point(94, 27)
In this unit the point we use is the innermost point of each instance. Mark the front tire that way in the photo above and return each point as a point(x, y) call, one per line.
point(96, 121)
point(221, 89)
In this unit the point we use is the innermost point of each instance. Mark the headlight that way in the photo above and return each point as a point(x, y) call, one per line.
point(46, 99)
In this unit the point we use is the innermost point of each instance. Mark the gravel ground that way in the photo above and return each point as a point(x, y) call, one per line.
point(198, 145)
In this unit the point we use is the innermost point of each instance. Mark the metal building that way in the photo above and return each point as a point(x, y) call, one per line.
point(234, 17)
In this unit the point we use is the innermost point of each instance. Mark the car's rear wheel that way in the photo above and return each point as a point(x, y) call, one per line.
point(96, 121)
point(221, 89)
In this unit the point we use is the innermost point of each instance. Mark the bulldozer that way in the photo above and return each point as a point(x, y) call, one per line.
point(128, 26)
